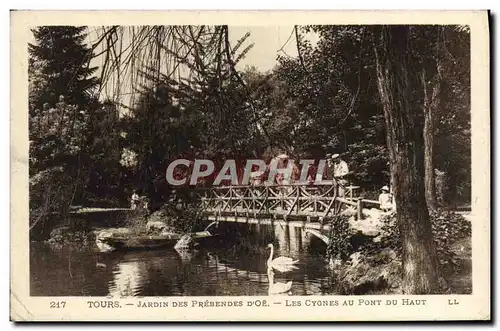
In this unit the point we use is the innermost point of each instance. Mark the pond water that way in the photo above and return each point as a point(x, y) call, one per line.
point(235, 266)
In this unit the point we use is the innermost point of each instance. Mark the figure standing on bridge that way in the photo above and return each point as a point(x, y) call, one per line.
point(256, 182)
point(340, 171)
point(311, 171)
point(134, 201)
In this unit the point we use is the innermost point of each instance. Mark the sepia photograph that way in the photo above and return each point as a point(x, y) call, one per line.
point(324, 162)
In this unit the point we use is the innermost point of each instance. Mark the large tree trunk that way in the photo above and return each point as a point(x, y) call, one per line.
point(430, 183)
point(431, 103)
point(406, 151)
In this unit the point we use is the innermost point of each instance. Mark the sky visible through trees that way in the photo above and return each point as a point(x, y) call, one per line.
point(269, 42)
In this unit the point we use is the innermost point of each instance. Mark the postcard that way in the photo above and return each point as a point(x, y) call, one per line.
point(250, 166)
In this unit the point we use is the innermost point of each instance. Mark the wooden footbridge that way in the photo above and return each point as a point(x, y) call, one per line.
point(305, 206)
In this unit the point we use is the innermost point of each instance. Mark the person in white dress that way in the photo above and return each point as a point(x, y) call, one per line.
point(385, 199)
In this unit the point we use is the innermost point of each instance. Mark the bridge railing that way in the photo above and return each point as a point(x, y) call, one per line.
point(278, 200)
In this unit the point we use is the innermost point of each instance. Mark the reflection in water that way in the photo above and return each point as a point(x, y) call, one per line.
point(126, 280)
point(277, 287)
point(295, 241)
point(283, 237)
point(237, 268)
point(185, 255)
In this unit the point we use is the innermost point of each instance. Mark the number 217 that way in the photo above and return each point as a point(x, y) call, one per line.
point(57, 304)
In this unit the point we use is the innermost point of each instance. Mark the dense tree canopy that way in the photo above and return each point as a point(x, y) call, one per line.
point(72, 135)
point(60, 59)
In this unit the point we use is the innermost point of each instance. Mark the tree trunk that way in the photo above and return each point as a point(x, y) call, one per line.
point(406, 151)
point(431, 102)
point(430, 183)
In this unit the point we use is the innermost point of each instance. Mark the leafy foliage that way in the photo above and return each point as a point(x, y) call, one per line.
point(56, 135)
point(447, 227)
point(56, 142)
point(74, 239)
point(50, 191)
point(73, 141)
point(328, 100)
point(339, 247)
point(181, 213)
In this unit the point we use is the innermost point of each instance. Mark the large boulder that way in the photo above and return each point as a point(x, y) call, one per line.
point(113, 232)
point(379, 274)
point(156, 226)
point(101, 235)
point(373, 223)
point(160, 222)
point(370, 269)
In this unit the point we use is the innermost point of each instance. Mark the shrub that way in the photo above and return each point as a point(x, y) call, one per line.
point(447, 228)
point(50, 193)
point(339, 247)
point(185, 214)
point(181, 212)
point(67, 237)
point(136, 221)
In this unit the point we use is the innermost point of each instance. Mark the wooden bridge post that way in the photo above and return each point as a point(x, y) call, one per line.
point(360, 208)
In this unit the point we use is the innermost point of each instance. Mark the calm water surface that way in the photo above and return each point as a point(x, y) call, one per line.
point(233, 267)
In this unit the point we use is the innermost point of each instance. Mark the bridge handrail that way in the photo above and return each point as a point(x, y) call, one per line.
point(283, 200)
point(269, 185)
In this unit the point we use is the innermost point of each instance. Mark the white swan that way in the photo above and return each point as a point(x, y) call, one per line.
point(282, 264)
point(277, 288)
